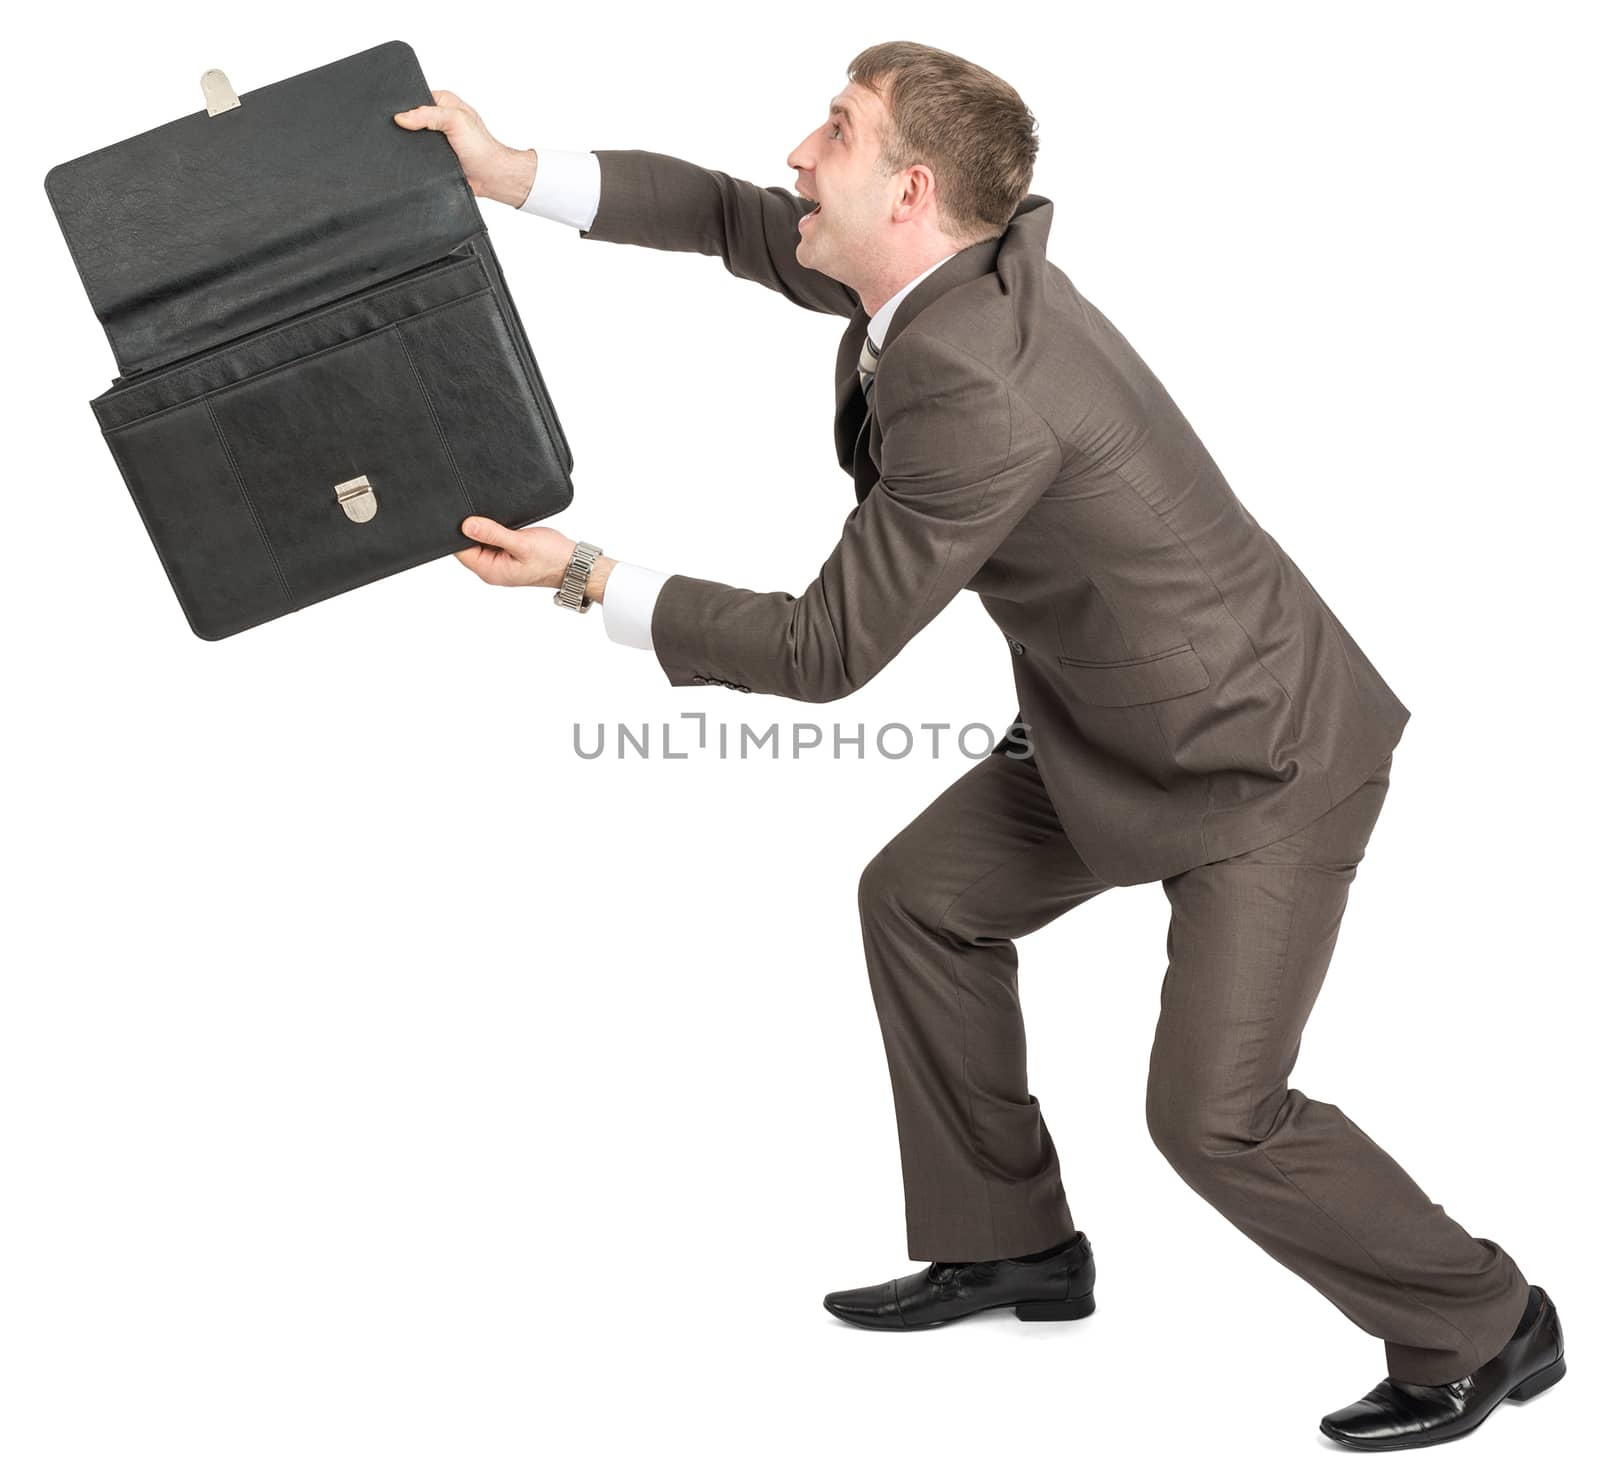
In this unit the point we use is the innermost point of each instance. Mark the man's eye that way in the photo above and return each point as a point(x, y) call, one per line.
point(836, 133)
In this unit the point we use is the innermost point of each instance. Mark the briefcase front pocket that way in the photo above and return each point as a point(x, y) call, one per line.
point(312, 459)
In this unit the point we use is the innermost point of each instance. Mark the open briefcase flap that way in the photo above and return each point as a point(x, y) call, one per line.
point(212, 227)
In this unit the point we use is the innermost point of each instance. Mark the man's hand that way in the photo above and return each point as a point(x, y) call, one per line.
point(526, 557)
point(493, 170)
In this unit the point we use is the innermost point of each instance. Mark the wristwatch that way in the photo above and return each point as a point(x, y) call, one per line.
point(573, 593)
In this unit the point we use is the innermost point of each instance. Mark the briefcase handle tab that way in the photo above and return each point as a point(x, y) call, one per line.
point(217, 91)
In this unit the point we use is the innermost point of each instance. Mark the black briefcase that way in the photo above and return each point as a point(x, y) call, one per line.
point(322, 373)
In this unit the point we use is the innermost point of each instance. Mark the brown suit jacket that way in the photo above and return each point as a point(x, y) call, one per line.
point(1188, 693)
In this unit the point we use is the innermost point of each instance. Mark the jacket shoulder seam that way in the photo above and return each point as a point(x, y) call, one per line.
point(1012, 392)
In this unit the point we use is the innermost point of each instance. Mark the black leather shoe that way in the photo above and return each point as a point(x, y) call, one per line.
point(1396, 1414)
point(1057, 1287)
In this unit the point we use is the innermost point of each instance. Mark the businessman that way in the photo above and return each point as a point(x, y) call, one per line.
point(1194, 714)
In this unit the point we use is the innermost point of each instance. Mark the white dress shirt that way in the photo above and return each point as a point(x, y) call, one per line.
point(566, 188)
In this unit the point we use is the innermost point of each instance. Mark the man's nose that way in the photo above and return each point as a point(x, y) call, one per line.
point(800, 157)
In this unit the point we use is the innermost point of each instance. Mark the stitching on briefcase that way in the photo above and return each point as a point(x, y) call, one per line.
point(433, 414)
point(244, 491)
point(407, 281)
point(263, 373)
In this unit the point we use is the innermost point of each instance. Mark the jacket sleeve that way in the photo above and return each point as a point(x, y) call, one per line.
point(655, 200)
point(963, 459)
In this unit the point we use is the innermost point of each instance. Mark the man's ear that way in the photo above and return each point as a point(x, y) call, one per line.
point(917, 188)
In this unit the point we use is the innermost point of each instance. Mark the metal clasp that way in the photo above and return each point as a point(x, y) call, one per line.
point(358, 498)
point(218, 91)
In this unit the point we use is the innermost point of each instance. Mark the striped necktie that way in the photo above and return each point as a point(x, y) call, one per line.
point(868, 366)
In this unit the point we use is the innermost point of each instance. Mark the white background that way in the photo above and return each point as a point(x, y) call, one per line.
point(384, 1086)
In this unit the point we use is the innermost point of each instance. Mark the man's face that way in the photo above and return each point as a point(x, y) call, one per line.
point(837, 165)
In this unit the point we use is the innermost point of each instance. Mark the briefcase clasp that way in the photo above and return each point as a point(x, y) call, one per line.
point(218, 91)
point(358, 498)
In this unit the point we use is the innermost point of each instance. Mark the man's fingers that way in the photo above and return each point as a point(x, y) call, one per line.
point(436, 119)
point(482, 529)
point(449, 99)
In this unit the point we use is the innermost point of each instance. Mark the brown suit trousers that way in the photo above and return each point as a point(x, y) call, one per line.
point(1248, 945)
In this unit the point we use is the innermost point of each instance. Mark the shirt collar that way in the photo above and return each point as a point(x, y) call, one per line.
point(879, 324)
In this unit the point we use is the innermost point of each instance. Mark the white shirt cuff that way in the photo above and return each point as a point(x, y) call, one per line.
point(566, 187)
point(630, 600)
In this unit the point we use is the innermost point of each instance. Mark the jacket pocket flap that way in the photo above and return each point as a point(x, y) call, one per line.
point(1136, 682)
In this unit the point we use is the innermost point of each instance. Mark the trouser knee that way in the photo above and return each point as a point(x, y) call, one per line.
point(892, 888)
point(1200, 1141)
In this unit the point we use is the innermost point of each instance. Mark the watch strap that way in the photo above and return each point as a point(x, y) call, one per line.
point(573, 593)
